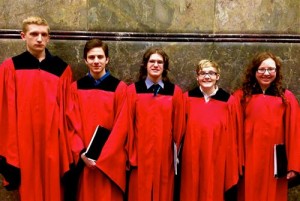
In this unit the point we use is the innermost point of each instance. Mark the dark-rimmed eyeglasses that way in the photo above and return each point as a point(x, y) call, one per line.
point(209, 73)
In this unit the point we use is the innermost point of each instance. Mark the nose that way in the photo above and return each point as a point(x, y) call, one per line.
point(266, 72)
point(155, 63)
point(39, 38)
point(206, 75)
point(96, 60)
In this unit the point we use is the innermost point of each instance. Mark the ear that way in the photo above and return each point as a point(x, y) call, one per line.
point(23, 35)
point(107, 60)
point(218, 77)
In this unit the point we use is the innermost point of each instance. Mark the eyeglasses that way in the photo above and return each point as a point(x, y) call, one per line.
point(159, 62)
point(263, 70)
point(209, 73)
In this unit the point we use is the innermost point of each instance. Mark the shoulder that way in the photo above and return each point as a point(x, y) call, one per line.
point(238, 93)
point(171, 89)
point(7, 61)
point(54, 60)
point(288, 92)
point(195, 92)
point(120, 85)
point(57, 61)
point(221, 95)
point(290, 96)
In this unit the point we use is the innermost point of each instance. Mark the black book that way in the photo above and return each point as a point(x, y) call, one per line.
point(280, 161)
point(97, 142)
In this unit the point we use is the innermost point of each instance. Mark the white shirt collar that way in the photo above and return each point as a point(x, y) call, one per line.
point(206, 96)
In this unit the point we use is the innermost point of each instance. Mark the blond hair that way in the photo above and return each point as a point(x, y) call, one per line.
point(34, 20)
point(204, 63)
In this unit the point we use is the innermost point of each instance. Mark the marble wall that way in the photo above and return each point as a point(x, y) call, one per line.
point(176, 16)
point(255, 25)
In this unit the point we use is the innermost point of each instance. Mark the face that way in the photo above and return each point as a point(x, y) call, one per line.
point(155, 67)
point(96, 62)
point(207, 78)
point(36, 37)
point(266, 73)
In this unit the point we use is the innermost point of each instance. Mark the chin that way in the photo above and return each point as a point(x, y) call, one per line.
point(155, 76)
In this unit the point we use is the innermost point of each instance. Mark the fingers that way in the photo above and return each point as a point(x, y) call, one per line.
point(291, 175)
point(88, 162)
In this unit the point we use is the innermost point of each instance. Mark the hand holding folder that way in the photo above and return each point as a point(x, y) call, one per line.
point(97, 142)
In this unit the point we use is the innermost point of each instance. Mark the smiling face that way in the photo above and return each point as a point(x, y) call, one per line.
point(96, 62)
point(207, 79)
point(266, 73)
point(155, 67)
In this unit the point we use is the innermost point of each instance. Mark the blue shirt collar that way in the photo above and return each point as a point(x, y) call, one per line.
point(98, 81)
point(149, 83)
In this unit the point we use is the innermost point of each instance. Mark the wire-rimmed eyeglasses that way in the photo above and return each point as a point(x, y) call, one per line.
point(263, 70)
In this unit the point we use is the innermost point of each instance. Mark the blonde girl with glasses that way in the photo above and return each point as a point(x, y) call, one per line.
point(209, 165)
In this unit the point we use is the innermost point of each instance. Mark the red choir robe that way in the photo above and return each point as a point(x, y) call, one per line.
point(156, 123)
point(88, 107)
point(268, 121)
point(209, 164)
point(33, 139)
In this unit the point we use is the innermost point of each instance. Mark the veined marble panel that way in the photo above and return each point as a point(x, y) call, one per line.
point(176, 16)
point(125, 59)
point(60, 14)
point(258, 16)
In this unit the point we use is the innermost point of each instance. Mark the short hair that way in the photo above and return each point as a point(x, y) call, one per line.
point(207, 63)
point(34, 20)
point(93, 43)
point(146, 57)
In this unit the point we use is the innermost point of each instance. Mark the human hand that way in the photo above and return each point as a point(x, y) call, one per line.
point(88, 162)
point(291, 175)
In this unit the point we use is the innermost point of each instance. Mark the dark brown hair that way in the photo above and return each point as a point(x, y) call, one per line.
point(147, 55)
point(93, 43)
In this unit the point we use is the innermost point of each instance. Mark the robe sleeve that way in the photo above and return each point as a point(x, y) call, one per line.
point(131, 146)
point(178, 116)
point(232, 164)
point(112, 161)
point(74, 125)
point(9, 152)
point(292, 136)
point(66, 158)
point(239, 116)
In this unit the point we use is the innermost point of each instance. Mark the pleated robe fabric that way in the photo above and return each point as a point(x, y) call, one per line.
point(209, 165)
point(156, 123)
point(89, 107)
point(33, 138)
point(268, 121)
